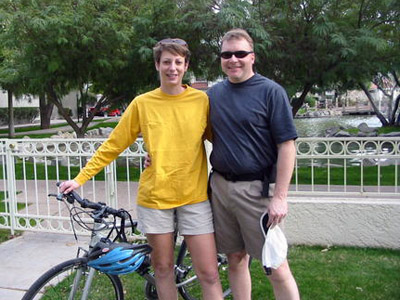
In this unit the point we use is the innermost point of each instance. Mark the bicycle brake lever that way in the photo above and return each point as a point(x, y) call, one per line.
point(59, 196)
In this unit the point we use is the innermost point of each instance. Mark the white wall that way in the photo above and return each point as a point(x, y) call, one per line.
point(31, 101)
point(350, 222)
point(23, 101)
point(69, 101)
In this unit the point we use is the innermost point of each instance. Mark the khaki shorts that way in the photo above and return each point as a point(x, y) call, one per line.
point(237, 208)
point(192, 219)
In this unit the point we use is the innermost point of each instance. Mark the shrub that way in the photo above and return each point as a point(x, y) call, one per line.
point(310, 101)
point(21, 115)
point(67, 110)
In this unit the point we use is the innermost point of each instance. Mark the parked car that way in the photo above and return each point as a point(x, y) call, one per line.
point(107, 111)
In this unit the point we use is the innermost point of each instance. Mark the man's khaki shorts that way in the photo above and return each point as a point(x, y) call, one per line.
point(237, 208)
point(192, 219)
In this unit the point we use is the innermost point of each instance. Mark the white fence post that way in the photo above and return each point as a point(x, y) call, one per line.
point(110, 182)
point(10, 194)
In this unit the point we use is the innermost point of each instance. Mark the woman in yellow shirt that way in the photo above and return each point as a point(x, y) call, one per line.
point(173, 120)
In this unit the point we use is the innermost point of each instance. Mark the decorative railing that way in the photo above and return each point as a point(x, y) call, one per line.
point(347, 166)
point(338, 167)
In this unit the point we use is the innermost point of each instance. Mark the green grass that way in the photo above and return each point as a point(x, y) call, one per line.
point(353, 131)
point(388, 129)
point(353, 175)
point(339, 273)
point(103, 125)
point(41, 170)
point(5, 235)
point(336, 273)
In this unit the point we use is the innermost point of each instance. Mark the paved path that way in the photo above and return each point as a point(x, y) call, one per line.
point(65, 128)
point(25, 258)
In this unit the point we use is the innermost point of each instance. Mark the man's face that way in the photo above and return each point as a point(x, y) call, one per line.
point(171, 68)
point(237, 69)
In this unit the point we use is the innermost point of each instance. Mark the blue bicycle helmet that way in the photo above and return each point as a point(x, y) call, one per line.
point(117, 258)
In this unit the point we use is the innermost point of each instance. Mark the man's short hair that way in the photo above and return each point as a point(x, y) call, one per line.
point(172, 47)
point(238, 34)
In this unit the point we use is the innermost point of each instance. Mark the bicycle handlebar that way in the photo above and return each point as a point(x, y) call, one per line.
point(100, 207)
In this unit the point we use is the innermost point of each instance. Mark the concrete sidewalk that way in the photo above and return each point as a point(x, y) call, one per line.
point(25, 258)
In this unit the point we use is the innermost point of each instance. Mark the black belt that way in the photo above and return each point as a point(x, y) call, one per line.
point(267, 176)
point(241, 177)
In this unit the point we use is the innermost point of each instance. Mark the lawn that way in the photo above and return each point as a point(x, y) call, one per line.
point(340, 273)
point(353, 174)
point(321, 273)
point(40, 171)
point(5, 233)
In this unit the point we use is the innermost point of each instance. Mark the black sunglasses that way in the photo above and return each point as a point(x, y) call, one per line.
point(238, 54)
point(173, 41)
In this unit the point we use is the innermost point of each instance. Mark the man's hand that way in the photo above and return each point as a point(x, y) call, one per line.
point(277, 211)
point(278, 207)
point(68, 186)
point(147, 160)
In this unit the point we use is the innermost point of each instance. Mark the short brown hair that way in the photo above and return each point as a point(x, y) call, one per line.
point(174, 46)
point(238, 34)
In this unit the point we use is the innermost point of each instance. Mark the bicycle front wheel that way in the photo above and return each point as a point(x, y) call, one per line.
point(186, 279)
point(73, 279)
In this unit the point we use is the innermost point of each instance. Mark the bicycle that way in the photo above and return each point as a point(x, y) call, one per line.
point(75, 279)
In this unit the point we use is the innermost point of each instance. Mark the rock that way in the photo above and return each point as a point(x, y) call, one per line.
point(368, 162)
point(390, 134)
point(366, 134)
point(342, 133)
point(332, 131)
point(365, 128)
point(93, 133)
point(105, 131)
point(64, 135)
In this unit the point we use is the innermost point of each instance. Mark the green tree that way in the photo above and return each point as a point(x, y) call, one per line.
point(69, 45)
point(105, 47)
point(303, 44)
point(5, 84)
point(318, 43)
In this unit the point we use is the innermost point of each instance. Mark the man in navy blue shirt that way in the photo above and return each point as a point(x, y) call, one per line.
point(253, 159)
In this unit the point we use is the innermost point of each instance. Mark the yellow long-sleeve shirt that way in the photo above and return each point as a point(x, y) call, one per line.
point(172, 127)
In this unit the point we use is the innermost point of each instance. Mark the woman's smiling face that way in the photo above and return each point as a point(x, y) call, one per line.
point(171, 68)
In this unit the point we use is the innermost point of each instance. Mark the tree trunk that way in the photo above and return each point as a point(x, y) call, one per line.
point(46, 109)
point(395, 109)
point(11, 129)
point(371, 100)
point(53, 98)
point(298, 102)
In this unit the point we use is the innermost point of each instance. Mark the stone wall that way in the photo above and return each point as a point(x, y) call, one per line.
point(349, 222)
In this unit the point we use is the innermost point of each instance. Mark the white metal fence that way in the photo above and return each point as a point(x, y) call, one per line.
point(356, 167)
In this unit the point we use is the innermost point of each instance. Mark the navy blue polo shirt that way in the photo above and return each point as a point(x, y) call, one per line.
point(248, 120)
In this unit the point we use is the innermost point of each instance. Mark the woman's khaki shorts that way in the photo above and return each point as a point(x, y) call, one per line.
point(192, 219)
point(237, 208)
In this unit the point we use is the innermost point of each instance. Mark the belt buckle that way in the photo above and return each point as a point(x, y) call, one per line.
point(230, 177)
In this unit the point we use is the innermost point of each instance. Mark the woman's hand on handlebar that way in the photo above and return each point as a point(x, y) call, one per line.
point(68, 186)
point(147, 160)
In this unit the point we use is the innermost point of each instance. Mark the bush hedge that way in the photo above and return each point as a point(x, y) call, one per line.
point(21, 115)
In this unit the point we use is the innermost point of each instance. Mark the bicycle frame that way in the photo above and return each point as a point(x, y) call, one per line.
point(85, 277)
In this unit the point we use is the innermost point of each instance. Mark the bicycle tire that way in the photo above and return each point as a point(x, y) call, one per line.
point(58, 282)
point(150, 291)
point(185, 272)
